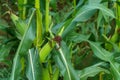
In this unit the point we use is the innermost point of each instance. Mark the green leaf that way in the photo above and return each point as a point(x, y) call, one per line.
point(100, 52)
point(5, 50)
point(85, 13)
point(106, 56)
point(102, 8)
point(91, 71)
point(59, 62)
point(94, 1)
point(81, 16)
point(34, 70)
point(20, 25)
point(115, 70)
point(64, 56)
point(24, 45)
point(56, 74)
point(75, 37)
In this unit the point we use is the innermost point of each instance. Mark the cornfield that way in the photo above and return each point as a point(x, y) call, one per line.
point(59, 39)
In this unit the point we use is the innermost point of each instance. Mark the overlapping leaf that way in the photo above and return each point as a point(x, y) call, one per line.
point(85, 13)
point(24, 45)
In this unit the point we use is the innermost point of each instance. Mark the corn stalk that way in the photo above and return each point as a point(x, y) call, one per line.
point(38, 23)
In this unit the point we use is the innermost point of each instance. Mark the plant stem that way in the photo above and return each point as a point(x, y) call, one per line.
point(22, 8)
point(38, 23)
point(37, 4)
point(74, 2)
point(47, 15)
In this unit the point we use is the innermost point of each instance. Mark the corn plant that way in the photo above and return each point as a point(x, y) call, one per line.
point(59, 40)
